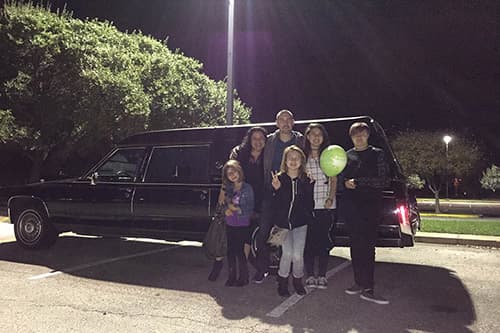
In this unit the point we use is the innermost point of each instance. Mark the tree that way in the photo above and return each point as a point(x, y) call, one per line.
point(491, 178)
point(415, 182)
point(424, 154)
point(68, 85)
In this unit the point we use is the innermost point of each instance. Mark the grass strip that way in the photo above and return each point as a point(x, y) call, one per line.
point(455, 216)
point(441, 200)
point(469, 226)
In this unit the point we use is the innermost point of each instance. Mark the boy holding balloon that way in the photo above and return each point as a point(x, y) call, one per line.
point(362, 181)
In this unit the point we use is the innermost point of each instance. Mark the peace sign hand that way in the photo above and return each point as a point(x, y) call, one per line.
point(275, 182)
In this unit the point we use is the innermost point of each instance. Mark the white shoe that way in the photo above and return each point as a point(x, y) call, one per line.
point(311, 282)
point(322, 282)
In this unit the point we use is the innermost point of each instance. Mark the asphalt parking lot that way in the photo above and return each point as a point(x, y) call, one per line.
point(87, 284)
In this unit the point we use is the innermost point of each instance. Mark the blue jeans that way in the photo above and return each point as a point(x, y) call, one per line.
point(293, 253)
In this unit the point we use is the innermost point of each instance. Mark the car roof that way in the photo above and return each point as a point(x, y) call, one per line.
point(206, 133)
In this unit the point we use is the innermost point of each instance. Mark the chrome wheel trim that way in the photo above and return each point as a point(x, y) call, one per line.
point(29, 227)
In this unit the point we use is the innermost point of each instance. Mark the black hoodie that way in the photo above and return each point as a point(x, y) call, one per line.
point(293, 202)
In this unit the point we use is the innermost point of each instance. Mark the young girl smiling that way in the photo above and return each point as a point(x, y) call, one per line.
point(238, 207)
point(293, 206)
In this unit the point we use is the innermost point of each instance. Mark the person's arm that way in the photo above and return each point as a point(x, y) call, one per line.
point(280, 203)
point(234, 154)
point(332, 191)
point(222, 196)
point(250, 205)
point(280, 197)
point(221, 200)
point(309, 194)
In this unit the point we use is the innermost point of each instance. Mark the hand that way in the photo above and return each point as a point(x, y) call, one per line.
point(311, 179)
point(328, 202)
point(350, 184)
point(275, 182)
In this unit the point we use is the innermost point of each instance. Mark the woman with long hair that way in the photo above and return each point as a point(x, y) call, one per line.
point(318, 242)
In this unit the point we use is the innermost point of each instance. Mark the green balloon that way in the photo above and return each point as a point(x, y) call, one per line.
point(333, 160)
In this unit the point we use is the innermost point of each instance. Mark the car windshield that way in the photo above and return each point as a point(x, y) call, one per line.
point(123, 165)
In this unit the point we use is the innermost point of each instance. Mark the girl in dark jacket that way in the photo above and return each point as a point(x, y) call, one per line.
point(293, 206)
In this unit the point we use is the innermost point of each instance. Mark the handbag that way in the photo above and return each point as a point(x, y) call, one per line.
point(277, 236)
point(215, 241)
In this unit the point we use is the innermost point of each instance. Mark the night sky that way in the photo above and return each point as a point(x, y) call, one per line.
point(409, 64)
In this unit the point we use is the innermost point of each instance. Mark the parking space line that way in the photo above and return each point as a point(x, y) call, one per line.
point(100, 262)
point(295, 298)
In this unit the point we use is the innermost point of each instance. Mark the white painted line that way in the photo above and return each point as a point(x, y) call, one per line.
point(292, 300)
point(287, 304)
point(100, 262)
point(338, 268)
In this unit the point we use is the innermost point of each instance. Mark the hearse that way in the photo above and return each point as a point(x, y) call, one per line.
point(164, 184)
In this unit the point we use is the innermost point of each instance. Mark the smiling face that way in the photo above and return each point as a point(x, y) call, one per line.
point(257, 141)
point(285, 122)
point(315, 137)
point(293, 161)
point(360, 140)
point(233, 175)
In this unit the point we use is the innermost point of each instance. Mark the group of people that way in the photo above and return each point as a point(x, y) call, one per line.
point(276, 180)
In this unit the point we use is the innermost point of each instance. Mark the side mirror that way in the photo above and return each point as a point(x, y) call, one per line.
point(93, 178)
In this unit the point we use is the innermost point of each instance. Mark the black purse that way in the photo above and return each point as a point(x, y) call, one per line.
point(215, 241)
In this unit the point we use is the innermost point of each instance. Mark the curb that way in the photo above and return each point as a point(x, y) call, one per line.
point(455, 239)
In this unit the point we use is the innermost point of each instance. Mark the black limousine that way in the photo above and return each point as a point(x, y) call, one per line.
point(165, 184)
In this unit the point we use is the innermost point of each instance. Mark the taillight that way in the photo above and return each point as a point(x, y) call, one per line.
point(403, 215)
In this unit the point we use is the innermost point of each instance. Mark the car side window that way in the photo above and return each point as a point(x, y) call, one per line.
point(122, 166)
point(178, 164)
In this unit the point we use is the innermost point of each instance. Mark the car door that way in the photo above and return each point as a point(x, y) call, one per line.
point(105, 198)
point(175, 193)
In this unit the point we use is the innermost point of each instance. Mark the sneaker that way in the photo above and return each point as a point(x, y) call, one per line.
point(259, 277)
point(354, 290)
point(370, 296)
point(322, 282)
point(311, 282)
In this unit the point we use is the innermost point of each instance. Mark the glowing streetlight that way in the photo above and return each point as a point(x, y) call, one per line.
point(230, 54)
point(447, 140)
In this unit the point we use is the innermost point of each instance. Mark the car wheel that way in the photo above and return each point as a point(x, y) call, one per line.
point(33, 230)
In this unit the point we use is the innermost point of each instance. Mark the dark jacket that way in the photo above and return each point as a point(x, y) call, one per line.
point(293, 202)
point(362, 207)
point(369, 171)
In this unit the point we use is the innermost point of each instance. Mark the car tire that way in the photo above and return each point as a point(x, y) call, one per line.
point(33, 229)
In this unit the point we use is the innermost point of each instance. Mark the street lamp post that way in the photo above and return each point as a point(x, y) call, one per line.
point(230, 55)
point(447, 140)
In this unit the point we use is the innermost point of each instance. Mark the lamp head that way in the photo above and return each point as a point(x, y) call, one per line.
point(447, 139)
